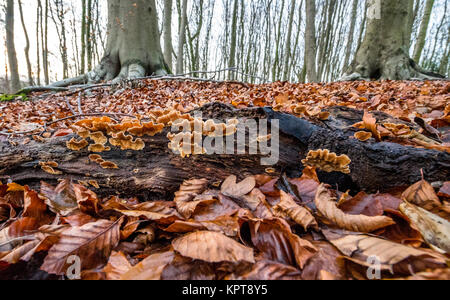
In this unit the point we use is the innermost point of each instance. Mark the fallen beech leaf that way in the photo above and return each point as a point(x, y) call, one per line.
point(87, 200)
point(269, 270)
point(118, 265)
point(185, 196)
point(395, 258)
point(439, 274)
point(14, 187)
point(444, 192)
point(184, 268)
point(325, 260)
point(212, 247)
point(297, 213)
point(61, 199)
point(275, 240)
point(362, 204)
point(92, 243)
point(434, 229)
point(422, 194)
point(150, 268)
point(34, 206)
point(232, 189)
point(327, 206)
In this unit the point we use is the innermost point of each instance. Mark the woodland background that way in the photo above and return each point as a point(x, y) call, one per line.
point(58, 39)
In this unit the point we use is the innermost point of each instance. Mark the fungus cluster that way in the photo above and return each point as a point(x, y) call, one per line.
point(188, 141)
point(49, 166)
point(327, 161)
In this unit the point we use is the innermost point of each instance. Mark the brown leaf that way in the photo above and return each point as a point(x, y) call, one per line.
point(327, 206)
point(269, 270)
point(62, 199)
point(297, 213)
point(434, 229)
point(275, 240)
point(232, 189)
point(92, 243)
point(422, 194)
point(362, 204)
point(326, 259)
point(118, 265)
point(184, 268)
point(212, 247)
point(395, 258)
point(185, 196)
point(150, 268)
point(87, 200)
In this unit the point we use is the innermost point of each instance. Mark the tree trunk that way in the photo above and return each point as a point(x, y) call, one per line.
point(83, 37)
point(310, 40)
point(156, 172)
point(288, 53)
point(12, 57)
point(182, 37)
point(423, 30)
point(384, 51)
point(45, 44)
point(232, 58)
point(133, 48)
point(351, 33)
point(168, 48)
point(27, 45)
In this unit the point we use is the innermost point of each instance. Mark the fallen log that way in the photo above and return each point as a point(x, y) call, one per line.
point(156, 172)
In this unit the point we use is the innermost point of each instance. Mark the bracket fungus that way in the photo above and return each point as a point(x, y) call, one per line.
point(77, 145)
point(98, 148)
point(126, 142)
point(49, 166)
point(108, 165)
point(363, 136)
point(149, 129)
point(327, 161)
point(98, 137)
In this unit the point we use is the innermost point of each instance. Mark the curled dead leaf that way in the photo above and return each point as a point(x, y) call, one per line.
point(327, 206)
point(301, 215)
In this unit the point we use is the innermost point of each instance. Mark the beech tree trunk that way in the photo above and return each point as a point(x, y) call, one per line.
point(384, 51)
point(27, 45)
point(10, 47)
point(310, 40)
point(168, 47)
point(423, 30)
point(133, 46)
point(156, 172)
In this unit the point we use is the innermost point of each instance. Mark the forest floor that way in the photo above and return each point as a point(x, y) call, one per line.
point(265, 226)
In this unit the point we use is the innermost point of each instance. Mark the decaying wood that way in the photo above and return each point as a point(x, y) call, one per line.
point(156, 172)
